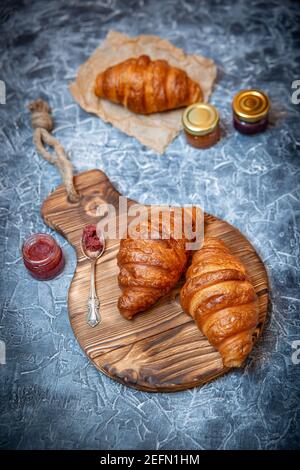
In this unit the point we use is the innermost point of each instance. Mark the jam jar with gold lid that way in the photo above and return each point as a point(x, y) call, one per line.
point(201, 125)
point(250, 111)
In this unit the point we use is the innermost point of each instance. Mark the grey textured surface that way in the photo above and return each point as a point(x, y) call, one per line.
point(50, 395)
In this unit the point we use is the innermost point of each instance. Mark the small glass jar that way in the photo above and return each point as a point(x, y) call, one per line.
point(201, 125)
point(42, 256)
point(250, 111)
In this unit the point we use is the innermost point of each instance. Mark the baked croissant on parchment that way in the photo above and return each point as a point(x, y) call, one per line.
point(147, 86)
point(222, 301)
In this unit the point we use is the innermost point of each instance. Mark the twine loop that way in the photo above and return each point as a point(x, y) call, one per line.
point(42, 123)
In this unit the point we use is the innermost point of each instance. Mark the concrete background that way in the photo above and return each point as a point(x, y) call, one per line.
point(50, 395)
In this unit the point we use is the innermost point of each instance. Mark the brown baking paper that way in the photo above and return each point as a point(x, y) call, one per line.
point(157, 130)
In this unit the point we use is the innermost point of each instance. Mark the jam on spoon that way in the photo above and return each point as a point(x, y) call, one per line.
point(90, 239)
point(93, 245)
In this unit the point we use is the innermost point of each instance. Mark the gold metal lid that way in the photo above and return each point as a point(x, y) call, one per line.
point(200, 119)
point(251, 105)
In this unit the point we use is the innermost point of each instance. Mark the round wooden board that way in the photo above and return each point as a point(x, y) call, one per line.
point(161, 350)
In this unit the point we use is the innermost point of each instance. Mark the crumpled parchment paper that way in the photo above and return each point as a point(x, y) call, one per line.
point(157, 130)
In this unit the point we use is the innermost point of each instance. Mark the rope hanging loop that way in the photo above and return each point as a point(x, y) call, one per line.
point(42, 123)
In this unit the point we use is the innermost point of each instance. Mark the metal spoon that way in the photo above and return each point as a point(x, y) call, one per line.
point(93, 316)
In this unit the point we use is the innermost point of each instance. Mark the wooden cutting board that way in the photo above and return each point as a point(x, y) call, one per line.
point(160, 350)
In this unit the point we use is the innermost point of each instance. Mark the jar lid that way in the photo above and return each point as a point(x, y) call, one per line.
point(251, 105)
point(200, 119)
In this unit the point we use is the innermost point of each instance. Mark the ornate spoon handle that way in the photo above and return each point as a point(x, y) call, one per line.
point(93, 317)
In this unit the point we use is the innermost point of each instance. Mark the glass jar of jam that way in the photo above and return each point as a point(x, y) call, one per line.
point(250, 111)
point(42, 256)
point(201, 125)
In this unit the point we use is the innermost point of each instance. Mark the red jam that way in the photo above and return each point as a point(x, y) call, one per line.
point(90, 239)
point(42, 256)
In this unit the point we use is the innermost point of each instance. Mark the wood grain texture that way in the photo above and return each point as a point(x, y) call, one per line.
point(161, 349)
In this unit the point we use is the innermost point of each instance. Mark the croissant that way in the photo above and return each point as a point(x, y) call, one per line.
point(150, 267)
point(222, 301)
point(147, 86)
